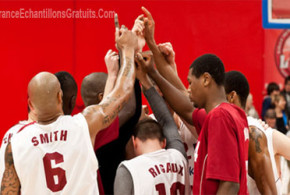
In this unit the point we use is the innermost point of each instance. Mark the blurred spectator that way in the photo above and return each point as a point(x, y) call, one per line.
point(281, 117)
point(270, 118)
point(250, 108)
point(272, 90)
point(286, 94)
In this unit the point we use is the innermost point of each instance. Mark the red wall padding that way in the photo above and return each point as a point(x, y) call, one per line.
point(230, 29)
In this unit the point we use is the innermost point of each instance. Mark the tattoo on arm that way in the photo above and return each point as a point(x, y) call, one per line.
point(129, 62)
point(10, 183)
point(110, 117)
point(256, 136)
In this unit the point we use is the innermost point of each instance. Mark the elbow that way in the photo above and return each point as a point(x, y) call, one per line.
point(227, 187)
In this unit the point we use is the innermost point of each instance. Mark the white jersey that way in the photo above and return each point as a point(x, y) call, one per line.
point(57, 158)
point(159, 172)
point(188, 140)
point(252, 187)
point(6, 139)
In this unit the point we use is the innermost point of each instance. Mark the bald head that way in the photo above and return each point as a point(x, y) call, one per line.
point(93, 87)
point(44, 95)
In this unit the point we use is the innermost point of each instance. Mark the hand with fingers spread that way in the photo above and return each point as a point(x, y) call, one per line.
point(167, 50)
point(138, 29)
point(112, 62)
point(149, 27)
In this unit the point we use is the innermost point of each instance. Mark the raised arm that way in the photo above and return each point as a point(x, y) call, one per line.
point(161, 112)
point(260, 166)
point(165, 66)
point(10, 182)
point(101, 116)
point(112, 64)
point(177, 100)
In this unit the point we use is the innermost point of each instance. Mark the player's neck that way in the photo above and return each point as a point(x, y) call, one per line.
point(215, 98)
point(47, 118)
point(149, 146)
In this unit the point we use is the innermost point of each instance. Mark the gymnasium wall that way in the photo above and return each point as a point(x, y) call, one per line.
point(230, 29)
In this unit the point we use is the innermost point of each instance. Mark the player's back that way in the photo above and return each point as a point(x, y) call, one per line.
point(159, 172)
point(6, 139)
point(253, 189)
point(241, 125)
point(57, 158)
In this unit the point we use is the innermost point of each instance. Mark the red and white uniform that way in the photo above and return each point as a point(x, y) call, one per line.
point(189, 141)
point(6, 139)
point(251, 183)
point(269, 134)
point(159, 172)
point(222, 150)
point(57, 158)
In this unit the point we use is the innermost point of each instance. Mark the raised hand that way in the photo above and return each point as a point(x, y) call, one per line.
point(123, 37)
point(145, 65)
point(145, 61)
point(126, 39)
point(112, 62)
point(138, 29)
point(167, 50)
point(149, 27)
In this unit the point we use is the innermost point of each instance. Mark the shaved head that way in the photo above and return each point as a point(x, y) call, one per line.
point(93, 87)
point(44, 95)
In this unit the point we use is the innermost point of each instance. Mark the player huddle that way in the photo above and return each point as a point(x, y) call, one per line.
point(197, 141)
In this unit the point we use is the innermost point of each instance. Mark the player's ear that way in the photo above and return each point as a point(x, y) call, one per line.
point(163, 144)
point(134, 141)
point(73, 102)
point(59, 96)
point(231, 97)
point(30, 105)
point(100, 96)
point(206, 79)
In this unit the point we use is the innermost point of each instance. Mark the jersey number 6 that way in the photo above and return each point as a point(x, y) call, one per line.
point(55, 177)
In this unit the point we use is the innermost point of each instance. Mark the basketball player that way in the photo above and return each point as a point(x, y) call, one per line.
point(220, 158)
point(56, 153)
point(69, 89)
point(261, 157)
point(154, 170)
point(8, 136)
point(187, 132)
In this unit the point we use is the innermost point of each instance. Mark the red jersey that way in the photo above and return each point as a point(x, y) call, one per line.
point(222, 150)
point(107, 135)
point(198, 117)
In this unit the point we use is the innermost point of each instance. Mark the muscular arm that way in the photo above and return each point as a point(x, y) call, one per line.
point(128, 110)
point(10, 183)
point(260, 167)
point(281, 144)
point(110, 83)
point(165, 68)
point(101, 116)
point(177, 100)
point(123, 182)
point(165, 119)
point(227, 187)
